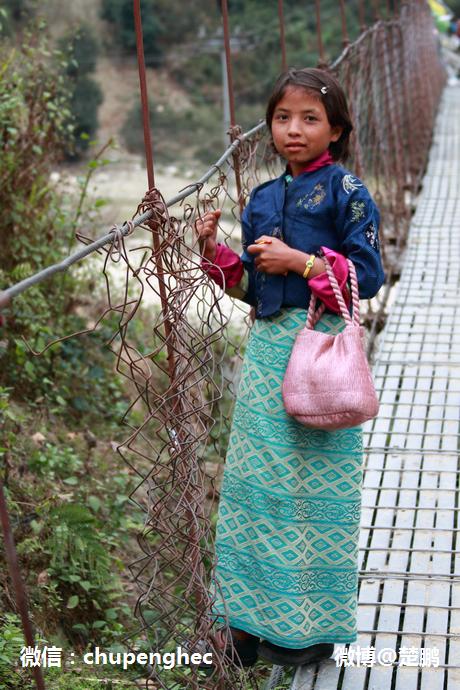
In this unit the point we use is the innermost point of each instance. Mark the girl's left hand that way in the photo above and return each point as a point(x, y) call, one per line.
point(272, 255)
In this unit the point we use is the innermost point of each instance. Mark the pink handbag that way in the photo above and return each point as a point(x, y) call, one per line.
point(328, 383)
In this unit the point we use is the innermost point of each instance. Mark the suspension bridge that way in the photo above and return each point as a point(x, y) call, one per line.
point(406, 146)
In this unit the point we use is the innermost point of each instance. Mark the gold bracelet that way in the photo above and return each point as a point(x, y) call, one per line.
point(309, 266)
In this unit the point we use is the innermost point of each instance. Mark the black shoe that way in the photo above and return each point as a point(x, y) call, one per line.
point(240, 652)
point(282, 656)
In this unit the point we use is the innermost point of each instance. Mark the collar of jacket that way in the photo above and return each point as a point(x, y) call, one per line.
point(320, 161)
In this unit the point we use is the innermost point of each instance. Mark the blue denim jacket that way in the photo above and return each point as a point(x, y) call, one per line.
point(329, 207)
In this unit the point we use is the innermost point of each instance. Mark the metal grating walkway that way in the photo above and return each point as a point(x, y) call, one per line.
point(409, 562)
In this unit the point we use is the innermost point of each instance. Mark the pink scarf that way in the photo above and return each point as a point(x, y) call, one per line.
point(323, 159)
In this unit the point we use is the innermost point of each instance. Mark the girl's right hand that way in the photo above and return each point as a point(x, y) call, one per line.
point(206, 229)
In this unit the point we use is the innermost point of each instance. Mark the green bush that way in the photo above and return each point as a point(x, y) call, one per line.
point(201, 76)
point(86, 99)
point(76, 522)
point(167, 25)
point(83, 572)
point(188, 135)
point(14, 13)
point(67, 501)
point(81, 48)
point(11, 643)
point(34, 117)
point(37, 230)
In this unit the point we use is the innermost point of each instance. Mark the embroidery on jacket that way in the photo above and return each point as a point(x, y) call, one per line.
point(277, 232)
point(350, 183)
point(313, 198)
point(358, 210)
point(372, 236)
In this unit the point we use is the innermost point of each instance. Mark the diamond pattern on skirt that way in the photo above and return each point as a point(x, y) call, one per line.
point(287, 533)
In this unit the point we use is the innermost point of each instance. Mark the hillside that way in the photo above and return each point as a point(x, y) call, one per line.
point(183, 45)
point(119, 81)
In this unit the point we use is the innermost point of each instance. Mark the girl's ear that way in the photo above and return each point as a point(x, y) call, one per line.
point(336, 133)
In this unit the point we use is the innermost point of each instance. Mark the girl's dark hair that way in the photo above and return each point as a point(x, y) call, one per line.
point(334, 101)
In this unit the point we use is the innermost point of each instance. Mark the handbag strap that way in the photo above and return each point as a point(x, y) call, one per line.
point(314, 316)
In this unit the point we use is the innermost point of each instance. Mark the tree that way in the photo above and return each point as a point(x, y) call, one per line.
point(120, 14)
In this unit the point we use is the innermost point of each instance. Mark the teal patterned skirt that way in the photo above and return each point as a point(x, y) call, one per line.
point(289, 512)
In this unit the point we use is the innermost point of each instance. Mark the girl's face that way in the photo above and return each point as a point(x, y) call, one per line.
point(300, 128)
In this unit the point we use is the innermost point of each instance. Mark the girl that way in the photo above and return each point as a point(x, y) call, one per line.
point(287, 534)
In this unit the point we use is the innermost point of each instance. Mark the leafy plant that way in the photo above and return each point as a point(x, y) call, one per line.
point(38, 230)
point(11, 643)
point(33, 120)
point(14, 13)
point(52, 461)
point(82, 568)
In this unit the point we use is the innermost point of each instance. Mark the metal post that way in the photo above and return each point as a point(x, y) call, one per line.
point(318, 30)
point(144, 99)
point(225, 99)
point(231, 100)
point(18, 584)
point(282, 36)
point(151, 180)
point(345, 37)
point(228, 60)
point(362, 19)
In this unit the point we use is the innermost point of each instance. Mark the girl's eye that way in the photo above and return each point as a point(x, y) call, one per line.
point(310, 118)
point(280, 116)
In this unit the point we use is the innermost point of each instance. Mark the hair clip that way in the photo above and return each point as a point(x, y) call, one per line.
point(324, 89)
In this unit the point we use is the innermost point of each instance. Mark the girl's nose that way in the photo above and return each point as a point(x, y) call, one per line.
point(294, 126)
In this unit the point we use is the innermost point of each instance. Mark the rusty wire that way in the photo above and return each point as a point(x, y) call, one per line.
point(175, 450)
point(183, 379)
